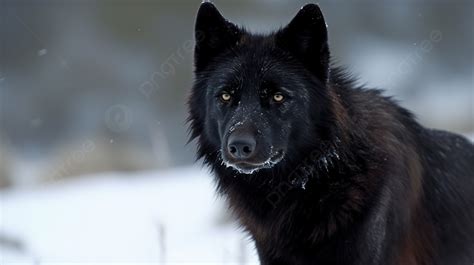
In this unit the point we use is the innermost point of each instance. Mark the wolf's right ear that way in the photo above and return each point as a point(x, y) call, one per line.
point(213, 34)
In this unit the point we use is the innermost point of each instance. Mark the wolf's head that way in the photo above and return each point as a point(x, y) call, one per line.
point(259, 99)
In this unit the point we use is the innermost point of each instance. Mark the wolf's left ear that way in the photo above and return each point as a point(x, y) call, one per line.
point(306, 38)
point(213, 34)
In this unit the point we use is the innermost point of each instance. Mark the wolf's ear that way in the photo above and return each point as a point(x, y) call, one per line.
point(213, 34)
point(306, 38)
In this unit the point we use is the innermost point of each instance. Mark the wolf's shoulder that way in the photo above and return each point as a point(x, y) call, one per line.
point(449, 142)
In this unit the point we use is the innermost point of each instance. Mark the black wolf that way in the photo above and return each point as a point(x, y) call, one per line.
point(316, 168)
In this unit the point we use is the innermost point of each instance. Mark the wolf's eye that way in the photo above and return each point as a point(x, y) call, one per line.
point(226, 97)
point(278, 97)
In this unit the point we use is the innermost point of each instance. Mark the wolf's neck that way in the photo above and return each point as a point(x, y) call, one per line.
point(317, 164)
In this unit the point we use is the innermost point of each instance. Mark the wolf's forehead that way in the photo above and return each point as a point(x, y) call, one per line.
point(245, 75)
point(251, 73)
point(252, 66)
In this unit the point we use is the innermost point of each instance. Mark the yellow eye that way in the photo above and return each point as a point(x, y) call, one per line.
point(278, 97)
point(226, 97)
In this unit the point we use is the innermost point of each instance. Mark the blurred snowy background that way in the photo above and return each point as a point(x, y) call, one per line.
point(93, 163)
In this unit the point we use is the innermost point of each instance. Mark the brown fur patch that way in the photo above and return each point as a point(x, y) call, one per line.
point(340, 114)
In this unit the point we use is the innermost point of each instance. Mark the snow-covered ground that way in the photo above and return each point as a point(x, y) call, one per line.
point(170, 217)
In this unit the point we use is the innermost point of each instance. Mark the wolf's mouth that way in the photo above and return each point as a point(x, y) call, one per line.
point(248, 167)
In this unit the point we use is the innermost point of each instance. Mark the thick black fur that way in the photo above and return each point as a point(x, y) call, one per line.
point(360, 181)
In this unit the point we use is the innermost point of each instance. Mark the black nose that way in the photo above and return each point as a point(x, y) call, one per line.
point(241, 146)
